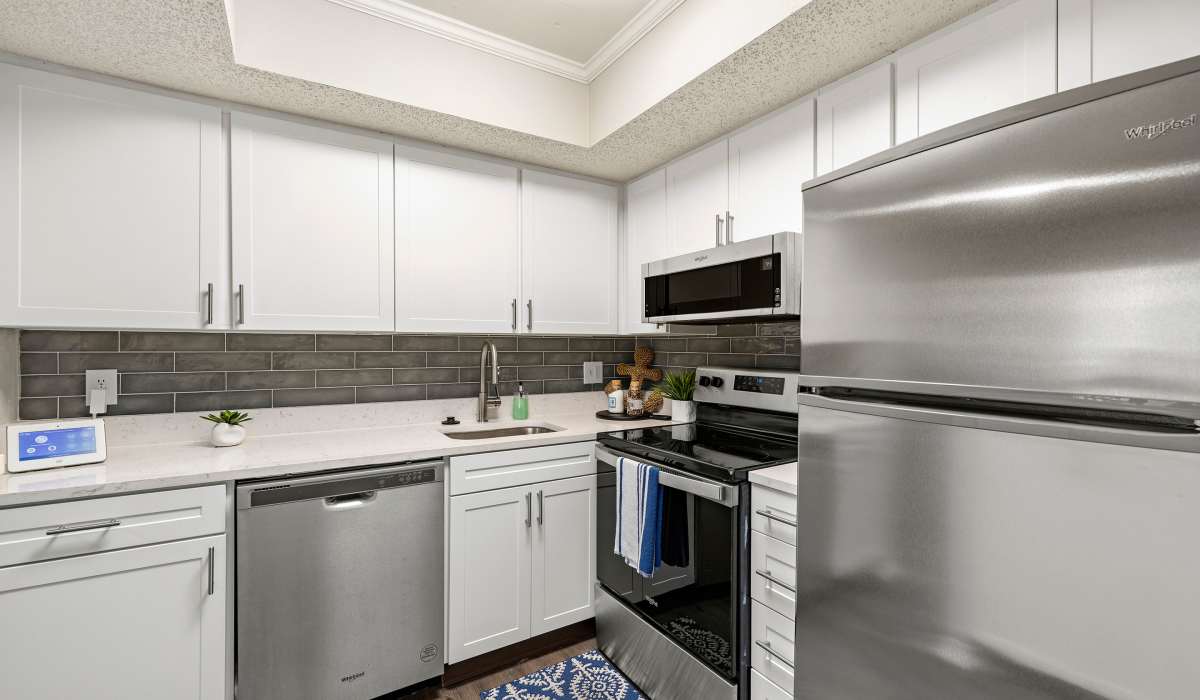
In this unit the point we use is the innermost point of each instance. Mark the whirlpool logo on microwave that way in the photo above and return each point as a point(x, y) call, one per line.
point(1150, 132)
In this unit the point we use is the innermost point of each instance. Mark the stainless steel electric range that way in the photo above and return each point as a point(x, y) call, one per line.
point(683, 633)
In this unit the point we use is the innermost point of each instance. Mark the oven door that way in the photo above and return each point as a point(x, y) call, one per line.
point(695, 601)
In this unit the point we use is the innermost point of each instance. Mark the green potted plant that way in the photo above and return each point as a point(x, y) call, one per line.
point(680, 387)
point(227, 427)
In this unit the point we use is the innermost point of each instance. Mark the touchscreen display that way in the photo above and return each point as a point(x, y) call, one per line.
point(64, 442)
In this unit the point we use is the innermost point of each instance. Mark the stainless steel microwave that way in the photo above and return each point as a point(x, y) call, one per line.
point(754, 280)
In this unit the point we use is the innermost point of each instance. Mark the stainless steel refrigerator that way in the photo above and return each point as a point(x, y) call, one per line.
point(999, 485)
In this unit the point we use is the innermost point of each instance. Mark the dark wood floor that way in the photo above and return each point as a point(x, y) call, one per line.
point(472, 689)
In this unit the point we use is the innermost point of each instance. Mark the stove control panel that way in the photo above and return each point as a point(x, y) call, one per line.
point(772, 391)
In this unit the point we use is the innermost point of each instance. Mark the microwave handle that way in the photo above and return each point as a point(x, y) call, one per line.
point(708, 490)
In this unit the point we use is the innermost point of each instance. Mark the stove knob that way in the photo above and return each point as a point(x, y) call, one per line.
point(704, 381)
point(717, 382)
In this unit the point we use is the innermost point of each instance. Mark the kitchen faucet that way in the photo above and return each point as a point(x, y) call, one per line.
point(488, 397)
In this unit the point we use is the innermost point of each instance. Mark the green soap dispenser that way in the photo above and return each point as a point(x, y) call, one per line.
point(520, 404)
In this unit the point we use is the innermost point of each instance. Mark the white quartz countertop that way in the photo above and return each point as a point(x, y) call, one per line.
point(781, 477)
point(145, 467)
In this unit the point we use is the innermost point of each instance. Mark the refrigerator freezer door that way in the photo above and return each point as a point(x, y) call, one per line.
point(938, 561)
point(1058, 254)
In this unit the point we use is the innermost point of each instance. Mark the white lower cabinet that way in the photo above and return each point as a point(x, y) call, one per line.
point(773, 586)
point(522, 559)
point(491, 544)
point(146, 622)
point(564, 553)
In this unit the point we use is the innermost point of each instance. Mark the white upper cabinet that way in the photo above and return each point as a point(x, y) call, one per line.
point(645, 241)
point(994, 59)
point(313, 231)
point(698, 199)
point(768, 163)
point(569, 246)
point(854, 118)
point(458, 243)
point(1101, 39)
point(110, 206)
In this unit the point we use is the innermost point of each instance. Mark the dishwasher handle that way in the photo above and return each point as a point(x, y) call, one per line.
point(350, 501)
point(339, 490)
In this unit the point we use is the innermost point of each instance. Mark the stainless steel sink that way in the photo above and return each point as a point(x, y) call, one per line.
point(500, 432)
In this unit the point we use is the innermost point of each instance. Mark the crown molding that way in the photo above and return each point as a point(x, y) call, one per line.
point(451, 29)
point(633, 31)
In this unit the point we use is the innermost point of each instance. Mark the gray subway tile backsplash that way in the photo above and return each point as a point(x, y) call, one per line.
point(161, 372)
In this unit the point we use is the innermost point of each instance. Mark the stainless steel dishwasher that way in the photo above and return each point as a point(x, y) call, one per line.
point(339, 583)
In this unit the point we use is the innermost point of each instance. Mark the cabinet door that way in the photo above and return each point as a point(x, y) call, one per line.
point(697, 194)
point(313, 232)
point(1101, 39)
point(110, 206)
point(854, 118)
point(992, 60)
point(490, 545)
point(457, 243)
point(564, 553)
point(768, 163)
point(645, 241)
point(569, 244)
point(134, 623)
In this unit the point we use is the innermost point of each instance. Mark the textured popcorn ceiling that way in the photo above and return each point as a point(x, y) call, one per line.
point(185, 45)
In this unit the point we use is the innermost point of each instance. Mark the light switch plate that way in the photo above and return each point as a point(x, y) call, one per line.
point(102, 379)
point(593, 372)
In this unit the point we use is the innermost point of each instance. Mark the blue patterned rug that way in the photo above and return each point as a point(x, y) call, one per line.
point(588, 676)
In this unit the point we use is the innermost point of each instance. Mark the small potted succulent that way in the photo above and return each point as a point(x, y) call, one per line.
point(680, 387)
point(227, 427)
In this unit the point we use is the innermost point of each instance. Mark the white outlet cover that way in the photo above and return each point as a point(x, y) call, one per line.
point(593, 372)
point(102, 379)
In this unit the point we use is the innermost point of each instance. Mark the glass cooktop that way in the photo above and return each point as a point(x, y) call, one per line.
point(718, 451)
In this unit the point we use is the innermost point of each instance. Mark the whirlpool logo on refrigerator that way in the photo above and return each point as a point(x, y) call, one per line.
point(1150, 132)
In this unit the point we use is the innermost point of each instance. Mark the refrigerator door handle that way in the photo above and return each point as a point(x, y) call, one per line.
point(1111, 434)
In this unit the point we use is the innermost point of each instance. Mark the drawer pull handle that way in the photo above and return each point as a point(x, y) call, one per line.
point(766, 646)
point(82, 527)
point(767, 575)
point(777, 518)
point(212, 566)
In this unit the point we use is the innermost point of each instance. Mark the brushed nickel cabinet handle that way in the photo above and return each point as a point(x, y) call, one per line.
point(514, 315)
point(83, 527)
point(528, 510)
point(766, 646)
point(209, 304)
point(541, 509)
point(728, 227)
point(529, 315)
point(241, 304)
point(767, 575)
point(212, 569)
point(771, 516)
point(718, 230)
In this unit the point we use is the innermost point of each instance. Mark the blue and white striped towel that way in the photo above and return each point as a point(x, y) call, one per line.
point(639, 516)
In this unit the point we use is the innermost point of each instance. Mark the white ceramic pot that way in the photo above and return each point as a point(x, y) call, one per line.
point(226, 435)
point(683, 411)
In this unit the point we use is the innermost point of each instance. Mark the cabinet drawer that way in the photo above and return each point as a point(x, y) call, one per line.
point(773, 574)
point(773, 645)
point(35, 533)
point(498, 470)
point(774, 514)
point(763, 689)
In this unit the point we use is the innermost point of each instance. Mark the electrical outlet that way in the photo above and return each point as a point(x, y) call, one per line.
point(102, 380)
point(593, 372)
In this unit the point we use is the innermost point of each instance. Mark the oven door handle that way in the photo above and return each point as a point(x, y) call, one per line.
point(704, 488)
